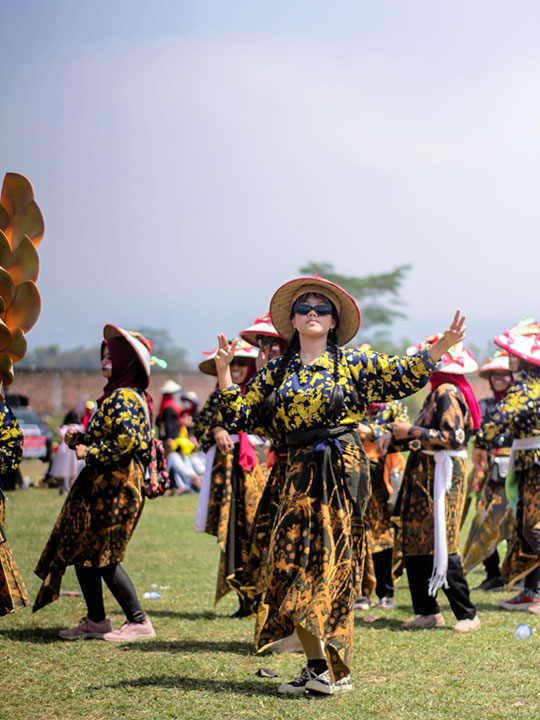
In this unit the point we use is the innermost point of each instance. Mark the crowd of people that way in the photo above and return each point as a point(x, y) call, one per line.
point(298, 459)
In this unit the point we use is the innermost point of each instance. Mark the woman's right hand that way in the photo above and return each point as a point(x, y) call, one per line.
point(225, 353)
point(223, 439)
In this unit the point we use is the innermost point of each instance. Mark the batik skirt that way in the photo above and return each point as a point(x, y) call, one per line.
point(95, 524)
point(313, 569)
point(234, 498)
point(416, 504)
point(520, 560)
point(493, 522)
point(13, 593)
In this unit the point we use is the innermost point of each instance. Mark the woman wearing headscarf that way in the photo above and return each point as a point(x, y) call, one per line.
point(494, 518)
point(518, 413)
point(103, 507)
point(234, 480)
point(433, 492)
point(313, 397)
point(13, 593)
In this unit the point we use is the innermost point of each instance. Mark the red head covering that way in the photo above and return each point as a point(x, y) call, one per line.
point(127, 370)
point(438, 378)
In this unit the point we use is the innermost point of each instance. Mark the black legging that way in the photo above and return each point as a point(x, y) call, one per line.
point(120, 585)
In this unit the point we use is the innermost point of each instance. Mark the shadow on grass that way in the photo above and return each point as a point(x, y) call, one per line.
point(40, 636)
point(192, 646)
point(205, 615)
point(380, 623)
point(243, 687)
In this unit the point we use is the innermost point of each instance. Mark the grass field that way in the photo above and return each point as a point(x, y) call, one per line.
point(201, 664)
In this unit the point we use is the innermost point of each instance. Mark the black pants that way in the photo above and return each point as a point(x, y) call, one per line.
point(491, 565)
point(120, 585)
point(419, 569)
point(382, 563)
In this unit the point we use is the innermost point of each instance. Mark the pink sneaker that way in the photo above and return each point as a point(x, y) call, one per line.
point(131, 631)
point(86, 629)
point(522, 601)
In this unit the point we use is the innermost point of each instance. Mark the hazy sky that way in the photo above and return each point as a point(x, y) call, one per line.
point(189, 157)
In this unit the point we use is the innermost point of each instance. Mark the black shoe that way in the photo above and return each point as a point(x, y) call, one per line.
point(493, 583)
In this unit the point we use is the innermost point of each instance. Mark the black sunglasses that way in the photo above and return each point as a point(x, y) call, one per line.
point(241, 361)
point(306, 308)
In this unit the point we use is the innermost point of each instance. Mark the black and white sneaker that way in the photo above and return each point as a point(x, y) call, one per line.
point(298, 685)
point(321, 684)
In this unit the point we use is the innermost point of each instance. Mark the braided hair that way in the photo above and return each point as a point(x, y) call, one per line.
point(268, 408)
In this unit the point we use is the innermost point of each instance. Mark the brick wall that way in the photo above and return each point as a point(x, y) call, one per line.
point(57, 391)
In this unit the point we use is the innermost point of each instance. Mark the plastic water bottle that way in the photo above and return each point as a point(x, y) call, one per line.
point(152, 595)
point(523, 631)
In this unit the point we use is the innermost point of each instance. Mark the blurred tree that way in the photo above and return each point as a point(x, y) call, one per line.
point(377, 296)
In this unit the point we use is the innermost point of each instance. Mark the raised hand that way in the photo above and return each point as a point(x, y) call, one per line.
point(451, 336)
point(225, 352)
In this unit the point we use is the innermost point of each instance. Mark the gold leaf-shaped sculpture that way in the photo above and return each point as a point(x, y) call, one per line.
point(6, 337)
point(24, 263)
point(28, 221)
point(25, 308)
point(17, 193)
point(7, 287)
point(4, 217)
point(18, 346)
point(21, 230)
point(6, 369)
point(5, 250)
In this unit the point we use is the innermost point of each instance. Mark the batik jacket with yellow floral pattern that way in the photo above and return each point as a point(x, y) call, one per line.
point(11, 440)
point(118, 430)
point(305, 392)
point(518, 413)
point(379, 421)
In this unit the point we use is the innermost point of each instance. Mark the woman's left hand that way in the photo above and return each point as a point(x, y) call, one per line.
point(365, 432)
point(80, 451)
point(400, 430)
point(451, 336)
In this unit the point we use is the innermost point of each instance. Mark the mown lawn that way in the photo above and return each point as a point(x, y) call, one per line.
point(201, 664)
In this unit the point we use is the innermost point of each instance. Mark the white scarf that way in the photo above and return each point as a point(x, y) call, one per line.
point(443, 483)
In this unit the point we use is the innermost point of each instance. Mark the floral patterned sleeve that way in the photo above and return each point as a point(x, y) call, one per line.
point(239, 410)
point(381, 378)
point(395, 411)
point(11, 440)
point(444, 422)
point(118, 429)
point(208, 418)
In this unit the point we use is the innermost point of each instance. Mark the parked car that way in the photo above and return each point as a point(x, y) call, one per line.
point(37, 434)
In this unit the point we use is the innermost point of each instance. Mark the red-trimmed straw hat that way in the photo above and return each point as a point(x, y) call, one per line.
point(457, 360)
point(141, 345)
point(261, 326)
point(284, 297)
point(243, 349)
point(522, 340)
point(499, 361)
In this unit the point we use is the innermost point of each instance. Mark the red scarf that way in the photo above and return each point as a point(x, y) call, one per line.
point(127, 371)
point(247, 456)
point(440, 377)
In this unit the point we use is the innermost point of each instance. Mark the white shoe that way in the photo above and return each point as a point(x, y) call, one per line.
point(467, 624)
point(362, 603)
point(322, 684)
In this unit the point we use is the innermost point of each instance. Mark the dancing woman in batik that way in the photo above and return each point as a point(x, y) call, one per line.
point(314, 396)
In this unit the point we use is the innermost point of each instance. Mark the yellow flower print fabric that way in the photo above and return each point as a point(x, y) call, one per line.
point(118, 430)
point(305, 392)
point(518, 413)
